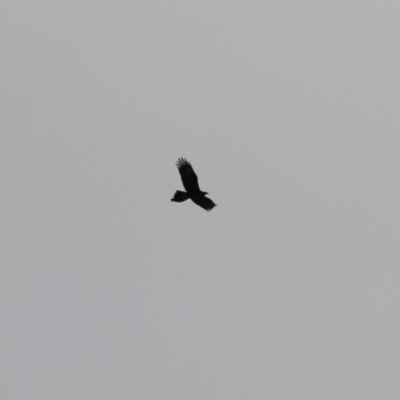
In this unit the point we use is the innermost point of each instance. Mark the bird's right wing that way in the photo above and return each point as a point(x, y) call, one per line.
point(188, 176)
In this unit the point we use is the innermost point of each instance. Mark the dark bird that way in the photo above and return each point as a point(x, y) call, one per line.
point(191, 184)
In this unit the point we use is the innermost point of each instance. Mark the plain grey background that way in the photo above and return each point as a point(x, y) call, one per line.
point(289, 113)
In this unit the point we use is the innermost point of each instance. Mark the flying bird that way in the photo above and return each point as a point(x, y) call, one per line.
point(191, 184)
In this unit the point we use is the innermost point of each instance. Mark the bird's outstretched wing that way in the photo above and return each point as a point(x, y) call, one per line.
point(204, 202)
point(188, 176)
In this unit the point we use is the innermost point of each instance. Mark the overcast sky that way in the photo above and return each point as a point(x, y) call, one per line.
point(289, 112)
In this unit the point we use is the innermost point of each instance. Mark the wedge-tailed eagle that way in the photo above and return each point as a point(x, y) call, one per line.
point(191, 184)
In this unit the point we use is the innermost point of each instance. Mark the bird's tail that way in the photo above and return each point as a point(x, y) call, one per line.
point(180, 196)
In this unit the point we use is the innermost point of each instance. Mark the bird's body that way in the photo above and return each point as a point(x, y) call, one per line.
point(191, 185)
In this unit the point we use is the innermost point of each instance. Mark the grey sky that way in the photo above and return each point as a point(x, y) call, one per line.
point(289, 113)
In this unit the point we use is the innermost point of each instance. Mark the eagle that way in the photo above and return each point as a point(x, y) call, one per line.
point(191, 184)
